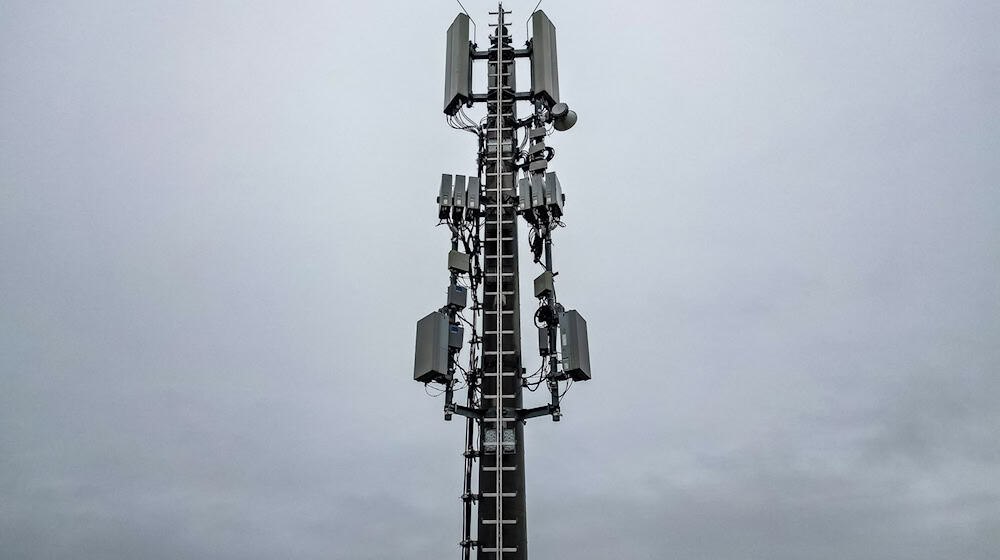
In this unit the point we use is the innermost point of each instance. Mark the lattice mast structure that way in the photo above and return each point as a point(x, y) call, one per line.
point(481, 211)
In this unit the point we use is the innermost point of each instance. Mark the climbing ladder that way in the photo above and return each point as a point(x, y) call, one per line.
point(502, 531)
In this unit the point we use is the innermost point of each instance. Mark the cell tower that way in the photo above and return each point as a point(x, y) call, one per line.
point(512, 179)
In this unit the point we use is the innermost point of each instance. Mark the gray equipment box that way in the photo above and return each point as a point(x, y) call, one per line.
point(524, 194)
point(458, 66)
point(537, 190)
point(544, 285)
point(544, 67)
point(457, 297)
point(543, 341)
point(455, 335)
point(553, 195)
point(472, 199)
point(444, 197)
point(538, 165)
point(536, 148)
point(431, 356)
point(459, 262)
point(575, 351)
point(458, 199)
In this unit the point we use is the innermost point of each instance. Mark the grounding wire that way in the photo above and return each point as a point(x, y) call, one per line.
point(474, 21)
point(535, 9)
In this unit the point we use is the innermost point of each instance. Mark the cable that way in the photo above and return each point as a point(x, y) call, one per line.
point(566, 390)
point(464, 320)
point(465, 118)
point(429, 394)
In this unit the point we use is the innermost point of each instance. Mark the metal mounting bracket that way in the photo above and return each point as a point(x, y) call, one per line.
point(474, 413)
point(544, 410)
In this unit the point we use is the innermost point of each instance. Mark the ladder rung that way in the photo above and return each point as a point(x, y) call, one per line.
point(504, 419)
point(501, 396)
point(493, 469)
point(502, 550)
point(502, 494)
point(502, 374)
point(502, 521)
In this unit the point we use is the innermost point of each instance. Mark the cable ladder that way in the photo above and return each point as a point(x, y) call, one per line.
point(501, 142)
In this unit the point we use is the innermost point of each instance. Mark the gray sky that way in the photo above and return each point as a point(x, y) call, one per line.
point(216, 231)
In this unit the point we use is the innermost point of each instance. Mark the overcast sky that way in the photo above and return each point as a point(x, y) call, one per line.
point(217, 233)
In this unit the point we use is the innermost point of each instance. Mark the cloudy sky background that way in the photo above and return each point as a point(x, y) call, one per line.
point(216, 233)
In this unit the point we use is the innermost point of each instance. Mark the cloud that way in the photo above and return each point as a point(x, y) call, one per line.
point(217, 233)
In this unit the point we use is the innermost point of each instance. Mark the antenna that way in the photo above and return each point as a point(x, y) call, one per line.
point(512, 179)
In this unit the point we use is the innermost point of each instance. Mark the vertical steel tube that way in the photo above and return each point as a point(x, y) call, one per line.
point(552, 382)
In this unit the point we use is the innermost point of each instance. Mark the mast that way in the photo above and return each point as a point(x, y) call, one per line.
point(482, 215)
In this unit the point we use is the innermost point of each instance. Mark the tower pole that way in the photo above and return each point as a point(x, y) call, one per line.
point(482, 215)
point(502, 520)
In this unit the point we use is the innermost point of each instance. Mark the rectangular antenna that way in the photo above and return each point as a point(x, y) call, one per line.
point(544, 67)
point(458, 66)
